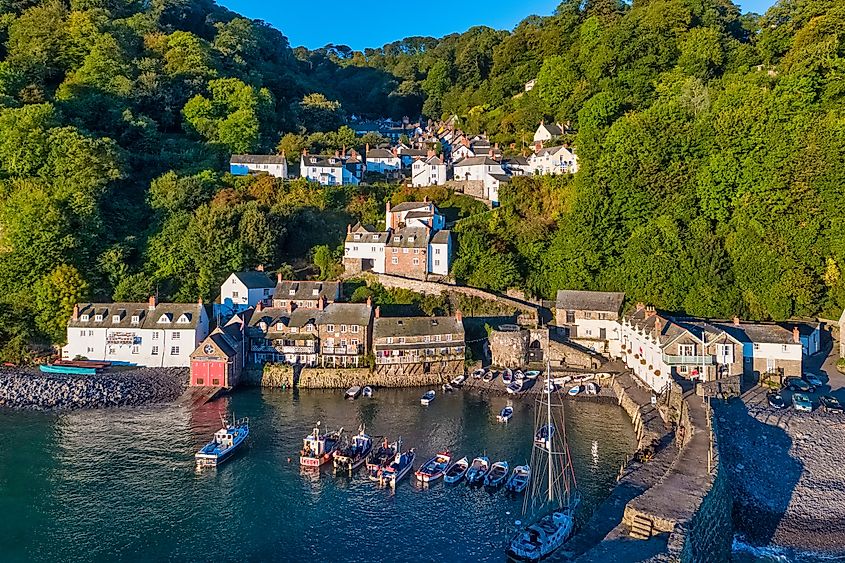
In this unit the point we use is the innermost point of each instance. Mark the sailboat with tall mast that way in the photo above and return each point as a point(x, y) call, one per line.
point(548, 512)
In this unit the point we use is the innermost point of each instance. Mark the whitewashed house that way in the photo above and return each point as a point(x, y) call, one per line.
point(243, 290)
point(485, 169)
point(363, 249)
point(553, 161)
point(768, 348)
point(440, 253)
point(331, 170)
point(428, 172)
point(414, 214)
point(591, 319)
point(547, 132)
point(383, 161)
point(272, 164)
point(149, 334)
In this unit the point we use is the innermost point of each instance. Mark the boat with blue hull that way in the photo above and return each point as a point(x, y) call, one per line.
point(401, 465)
point(223, 445)
point(67, 370)
point(433, 469)
point(353, 454)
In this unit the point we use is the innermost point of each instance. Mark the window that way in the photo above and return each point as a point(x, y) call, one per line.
point(215, 382)
point(783, 348)
point(330, 328)
point(405, 250)
point(726, 350)
point(176, 335)
point(174, 350)
point(416, 251)
point(395, 251)
point(155, 350)
point(294, 330)
point(291, 291)
point(683, 369)
point(390, 340)
point(437, 262)
point(354, 342)
point(200, 381)
point(136, 319)
point(401, 340)
point(81, 333)
point(90, 333)
point(437, 338)
point(756, 346)
point(84, 318)
point(115, 318)
point(90, 349)
point(394, 260)
point(234, 294)
point(135, 349)
point(342, 328)
point(280, 326)
point(416, 261)
point(266, 293)
point(354, 329)
point(686, 349)
point(309, 327)
point(98, 318)
point(155, 336)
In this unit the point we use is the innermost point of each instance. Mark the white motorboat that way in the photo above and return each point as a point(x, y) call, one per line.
point(426, 399)
point(591, 388)
point(367, 391)
point(353, 392)
point(519, 479)
point(505, 414)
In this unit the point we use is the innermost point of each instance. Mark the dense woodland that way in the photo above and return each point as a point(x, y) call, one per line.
point(711, 145)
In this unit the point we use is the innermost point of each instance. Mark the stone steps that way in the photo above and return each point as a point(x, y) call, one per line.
point(642, 528)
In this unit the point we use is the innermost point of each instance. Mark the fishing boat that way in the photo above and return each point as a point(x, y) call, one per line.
point(353, 454)
point(548, 512)
point(497, 475)
point(426, 399)
point(402, 464)
point(433, 469)
point(223, 445)
point(456, 471)
point(447, 388)
point(353, 392)
point(477, 470)
point(507, 376)
point(318, 448)
point(67, 370)
point(367, 391)
point(458, 381)
point(544, 435)
point(515, 387)
point(591, 388)
point(380, 458)
point(574, 391)
point(489, 375)
point(505, 414)
point(532, 374)
point(519, 479)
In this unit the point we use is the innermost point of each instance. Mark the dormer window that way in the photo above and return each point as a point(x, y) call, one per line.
point(357, 236)
point(164, 319)
point(184, 319)
point(280, 326)
point(315, 291)
point(412, 238)
point(84, 318)
point(313, 160)
point(115, 318)
point(136, 319)
point(98, 318)
point(375, 237)
point(291, 291)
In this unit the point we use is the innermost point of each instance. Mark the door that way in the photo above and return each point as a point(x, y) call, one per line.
point(603, 333)
point(535, 352)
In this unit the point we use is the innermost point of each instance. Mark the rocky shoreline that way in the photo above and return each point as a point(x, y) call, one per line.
point(29, 389)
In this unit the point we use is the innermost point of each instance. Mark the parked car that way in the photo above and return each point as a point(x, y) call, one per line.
point(802, 402)
point(798, 385)
point(829, 403)
point(776, 400)
point(813, 380)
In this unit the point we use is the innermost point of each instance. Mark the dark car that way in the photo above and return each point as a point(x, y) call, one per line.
point(799, 385)
point(829, 403)
point(776, 400)
point(813, 380)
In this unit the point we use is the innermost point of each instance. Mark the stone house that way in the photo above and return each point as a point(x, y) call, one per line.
point(286, 334)
point(148, 334)
point(419, 345)
point(406, 253)
point(273, 164)
point(305, 294)
point(591, 319)
point(344, 331)
point(363, 249)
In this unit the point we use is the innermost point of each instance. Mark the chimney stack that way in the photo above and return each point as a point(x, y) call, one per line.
point(304, 152)
point(796, 335)
point(378, 312)
point(278, 277)
point(369, 301)
point(736, 320)
point(387, 207)
point(425, 199)
point(259, 268)
point(75, 311)
point(153, 303)
point(395, 152)
point(349, 228)
point(367, 148)
point(259, 307)
point(199, 301)
point(321, 303)
point(291, 306)
point(650, 311)
point(459, 316)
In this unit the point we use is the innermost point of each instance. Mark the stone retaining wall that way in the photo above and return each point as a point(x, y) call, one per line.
point(646, 419)
point(283, 376)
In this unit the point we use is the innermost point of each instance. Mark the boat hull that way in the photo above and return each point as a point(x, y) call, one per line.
point(214, 459)
point(521, 550)
point(315, 461)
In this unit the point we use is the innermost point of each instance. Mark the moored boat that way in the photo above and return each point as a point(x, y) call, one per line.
point(518, 375)
point(426, 399)
point(489, 375)
point(402, 464)
point(574, 391)
point(223, 445)
point(447, 388)
point(479, 373)
point(367, 391)
point(507, 376)
point(353, 392)
point(353, 454)
point(456, 471)
point(591, 388)
point(532, 374)
point(505, 414)
point(433, 469)
point(515, 387)
point(519, 479)
point(549, 511)
point(67, 370)
point(380, 458)
point(497, 475)
point(318, 448)
point(477, 470)
point(458, 381)
point(544, 435)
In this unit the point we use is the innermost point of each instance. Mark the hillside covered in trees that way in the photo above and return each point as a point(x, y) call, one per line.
point(712, 151)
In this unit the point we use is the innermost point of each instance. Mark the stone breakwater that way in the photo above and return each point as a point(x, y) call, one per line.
point(283, 376)
point(29, 389)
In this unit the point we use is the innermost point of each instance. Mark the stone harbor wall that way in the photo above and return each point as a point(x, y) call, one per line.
point(562, 353)
point(723, 388)
point(283, 376)
point(29, 389)
point(509, 348)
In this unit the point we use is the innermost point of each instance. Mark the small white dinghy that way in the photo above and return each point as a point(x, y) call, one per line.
point(518, 481)
point(532, 374)
point(497, 475)
point(591, 388)
point(447, 388)
point(458, 381)
point(456, 471)
point(426, 399)
point(505, 414)
point(574, 391)
point(353, 392)
point(367, 391)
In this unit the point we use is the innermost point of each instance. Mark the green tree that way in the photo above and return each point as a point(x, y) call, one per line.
point(55, 295)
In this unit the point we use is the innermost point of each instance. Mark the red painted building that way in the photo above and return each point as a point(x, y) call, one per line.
point(219, 359)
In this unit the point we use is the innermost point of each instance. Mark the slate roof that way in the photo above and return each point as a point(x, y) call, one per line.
point(380, 153)
point(441, 237)
point(322, 161)
point(477, 160)
point(368, 234)
point(501, 177)
point(760, 333)
point(553, 151)
point(608, 301)
point(148, 319)
point(346, 313)
point(304, 290)
point(419, 214)
point(255, 280)
point(409, 206)
point(416, 326)
point(257, 159)
point(272, 316)
point(409, 237)
point(517, 161)
point(552, 129)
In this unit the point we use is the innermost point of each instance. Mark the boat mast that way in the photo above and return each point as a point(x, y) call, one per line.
point(549, 421)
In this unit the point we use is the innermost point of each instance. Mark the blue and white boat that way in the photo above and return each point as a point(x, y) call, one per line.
point(544, 435)
point(505, 414)
point(456, 471)
point(479, 468)
point(497, 475)
point(574, 391)
point(426, 399)
point(353, 454)
point(223, 445)
point(401, 465)
point(519, 479)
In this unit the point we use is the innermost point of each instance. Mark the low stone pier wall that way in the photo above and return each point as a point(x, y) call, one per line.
point(284, 376)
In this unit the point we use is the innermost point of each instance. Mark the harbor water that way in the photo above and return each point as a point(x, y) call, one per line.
point(121, 484)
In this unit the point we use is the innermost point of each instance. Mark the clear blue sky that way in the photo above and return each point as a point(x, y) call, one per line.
point(372, 24)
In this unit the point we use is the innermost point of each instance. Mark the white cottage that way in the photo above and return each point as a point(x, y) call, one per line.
point(553, 161)
point(275, 165)
point(383, 161)
point(428, 172)
point(485, 169)
point(243, 290)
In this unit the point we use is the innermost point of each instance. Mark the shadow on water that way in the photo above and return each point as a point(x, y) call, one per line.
point(762, 473)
